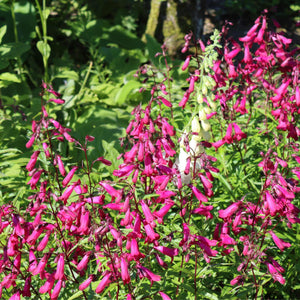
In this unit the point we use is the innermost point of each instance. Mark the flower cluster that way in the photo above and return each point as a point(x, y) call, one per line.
point(161, 207)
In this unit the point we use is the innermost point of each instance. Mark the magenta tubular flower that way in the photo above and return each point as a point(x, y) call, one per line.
point(69, 177)
point(83, 263)
point(186, 62)
point(230, 210)
point(198, 194)
point(237, 280)
point(86, 283)
point(61, 166)
point(165, 101)
point(185, 99)
point(104, 282)
point(34, 179)
point(271, 204)
point(167, 128)
point(238, 133)
point(43, 243)
point(232, 54)
point(164, 296)
point(134, 250)
point(228, 136)
point(111, 191)
point(67, 193)
point(130, 155)
point(59, 274)
point(148, 171)
point(144, 272)
point(124, 271)
point(34, 236)
point(204, 210)
point(30, 142)
point(16, 296)
point(32, 161)
point(279, 242)
point(186, 234)
point(151, 234)
point(163, 211)
point(56, 290)
point(42, 264)
point(84, 223)
point(275, 274)
point(147, 213)
point(167, 251)
point(160, 261)
point(26, 290)
point(124, 170)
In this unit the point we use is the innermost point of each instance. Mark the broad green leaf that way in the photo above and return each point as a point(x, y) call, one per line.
point(123, 93)
point(44, 48)
point(2, 32)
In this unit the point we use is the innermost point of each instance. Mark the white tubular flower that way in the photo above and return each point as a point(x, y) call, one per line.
point(207, 110)
point(196, 125)
point(200, 98)
point(181, 163)
point(202, 115)
point(205, 125)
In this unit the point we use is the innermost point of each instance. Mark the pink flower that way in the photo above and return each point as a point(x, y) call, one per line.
point(279, 242)
point(43, 243)
point(26, 290)
point(185, 99)
point(167, 251)
point(57, 101)
point(134, 250)
point(105, 281)
point(165, 101)
point(271, 204)
point(111, 191)
point(32, 161)
point(83, 263)
point(186, 62)
point(86, 283)
point(59, 274)
point(56, 290)
point(198, 194)
point(147, 213)
point(30, 142)
point(34, 179)
point(164, 296)
point(61, 166)
point(238, 133)
point(144, 272)
point(151, 234)
point(16, 296)
point(230, 210)
point(69, 177)
point(124, 271)
point(237, 280)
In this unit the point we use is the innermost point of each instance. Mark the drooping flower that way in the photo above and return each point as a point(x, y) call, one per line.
point(105, 281)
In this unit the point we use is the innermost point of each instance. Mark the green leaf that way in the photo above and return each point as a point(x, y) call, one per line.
point(124, 93)
point(76, 295)
point(9, 77)
point(44, 49)
point(68, 74)
point(153, 47)
point(2, 32)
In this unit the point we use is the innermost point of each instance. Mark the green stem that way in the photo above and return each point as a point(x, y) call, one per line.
point(13, 16)
point(44, 16)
